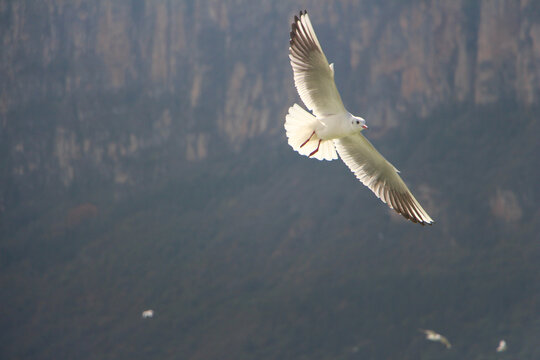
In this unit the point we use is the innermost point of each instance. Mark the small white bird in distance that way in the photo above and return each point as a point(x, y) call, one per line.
point(502, 346)
point(331, 127)
point(146, 314)
point(433, 336)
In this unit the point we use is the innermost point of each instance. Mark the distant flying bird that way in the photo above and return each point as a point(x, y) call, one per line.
point(433, 336)
point(331, 127)
point(147, 314)
point(502, 346)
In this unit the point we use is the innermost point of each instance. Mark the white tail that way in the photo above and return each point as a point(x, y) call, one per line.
point(300, 127)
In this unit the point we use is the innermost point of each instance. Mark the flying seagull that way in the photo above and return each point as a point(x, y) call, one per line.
point(502, 346)
point(146, 314)
point(433, 336)
point(331, 127)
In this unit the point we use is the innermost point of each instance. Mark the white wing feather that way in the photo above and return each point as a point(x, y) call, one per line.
point(313, 76)
point(374, 171)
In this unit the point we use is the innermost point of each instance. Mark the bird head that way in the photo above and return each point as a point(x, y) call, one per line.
point(358, 123)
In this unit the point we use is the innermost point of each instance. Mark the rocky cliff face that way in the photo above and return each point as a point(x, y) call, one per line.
point(88, 87)
point(143, 164)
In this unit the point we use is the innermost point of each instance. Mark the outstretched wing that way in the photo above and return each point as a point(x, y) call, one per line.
point(428, 332)
point(374, 171)
point(446, 342)
point(313, 76)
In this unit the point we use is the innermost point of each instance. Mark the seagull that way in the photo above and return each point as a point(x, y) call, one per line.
point(502, 346)
point(433, 336)
point(147, 314)
point(330, 127)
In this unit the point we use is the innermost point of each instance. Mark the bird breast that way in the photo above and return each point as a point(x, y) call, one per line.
point(334, 126)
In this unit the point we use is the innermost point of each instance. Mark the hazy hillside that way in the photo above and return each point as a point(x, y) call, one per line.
point(144, 165)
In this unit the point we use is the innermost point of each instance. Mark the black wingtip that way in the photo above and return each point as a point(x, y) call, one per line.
point(414, 219)
point(294, 27)
point(297, 17)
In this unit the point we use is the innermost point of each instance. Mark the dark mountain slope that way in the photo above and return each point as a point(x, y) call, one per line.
point(273, 255)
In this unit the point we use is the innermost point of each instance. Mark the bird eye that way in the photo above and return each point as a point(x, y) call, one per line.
point(358, 122)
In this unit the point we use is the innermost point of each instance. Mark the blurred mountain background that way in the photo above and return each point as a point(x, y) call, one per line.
point(143, 165)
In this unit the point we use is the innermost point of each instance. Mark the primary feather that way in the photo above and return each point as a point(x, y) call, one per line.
point(374, 171)
point(313, 76)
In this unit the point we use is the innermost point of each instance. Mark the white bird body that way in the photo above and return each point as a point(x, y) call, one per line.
point(331, 127)
point(336, 126)
point(433, 336)
point(147, 314)
point(502, 346)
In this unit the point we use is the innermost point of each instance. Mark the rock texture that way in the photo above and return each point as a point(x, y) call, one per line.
point(143, 164)
point(87, 86)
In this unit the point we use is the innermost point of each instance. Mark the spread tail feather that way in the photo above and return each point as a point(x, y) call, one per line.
point(300, 127)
